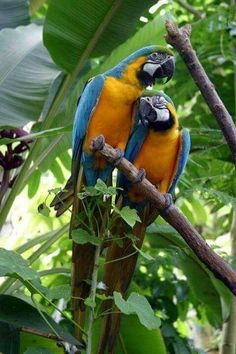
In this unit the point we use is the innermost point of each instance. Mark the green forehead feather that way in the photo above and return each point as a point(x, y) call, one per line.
point(152, 93)
point(162, 49)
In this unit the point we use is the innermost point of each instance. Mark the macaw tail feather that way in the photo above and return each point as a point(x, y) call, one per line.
point(82, 269)
point(119, 269)
point(82, 261)
point(83, 255)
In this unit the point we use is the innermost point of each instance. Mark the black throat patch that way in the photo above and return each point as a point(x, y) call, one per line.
point(162, 126)
point(145, 78)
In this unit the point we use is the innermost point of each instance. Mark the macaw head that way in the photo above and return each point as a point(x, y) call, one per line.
point(157, 112)
point(145, 66)
point(157, 65)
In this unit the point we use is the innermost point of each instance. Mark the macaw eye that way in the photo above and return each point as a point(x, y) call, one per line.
point(157, 56)
point(159, 102)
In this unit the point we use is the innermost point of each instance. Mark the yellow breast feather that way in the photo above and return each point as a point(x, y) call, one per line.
point(113, 116)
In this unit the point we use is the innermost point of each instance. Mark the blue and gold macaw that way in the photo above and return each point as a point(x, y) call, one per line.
point(105, 108)
point(158, 146)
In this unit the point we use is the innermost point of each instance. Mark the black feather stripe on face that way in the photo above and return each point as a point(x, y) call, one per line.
point(145, 78)
point(162, 126)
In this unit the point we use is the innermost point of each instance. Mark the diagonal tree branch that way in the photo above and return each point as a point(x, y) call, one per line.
point(179, 39)
point(173, 216)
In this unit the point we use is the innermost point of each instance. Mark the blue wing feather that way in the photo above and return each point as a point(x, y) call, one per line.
point(182, 160)
point(134, 144)
point(87, 104)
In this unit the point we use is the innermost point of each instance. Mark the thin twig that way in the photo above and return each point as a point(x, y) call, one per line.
point(42, 334)
point(179, 39)
point(174, 217)
point(190, 9)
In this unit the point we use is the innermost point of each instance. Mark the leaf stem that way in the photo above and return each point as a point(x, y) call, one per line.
point(121, 258)
point(53, 305)
point(44, 317)
point(4, 184)
point(122, 344)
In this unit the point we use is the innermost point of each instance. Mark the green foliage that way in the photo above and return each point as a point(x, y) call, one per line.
point(180, 290)
point(18, 313)
point(39, 350)
point(14, 265)
point(135, 337)
point(129, 215)
point(81, 237)
point(67, 29)
point(44, 209)
point(32, 344)
point(9, 339)
point(137, 304)
point(164, 237)
point(60, 292)
point(27, 72)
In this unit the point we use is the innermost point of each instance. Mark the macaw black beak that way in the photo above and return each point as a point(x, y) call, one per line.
point(146, 112)
point(165, 69)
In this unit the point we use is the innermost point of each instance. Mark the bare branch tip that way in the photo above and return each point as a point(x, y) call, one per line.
point(186, 30)
point(172, 28)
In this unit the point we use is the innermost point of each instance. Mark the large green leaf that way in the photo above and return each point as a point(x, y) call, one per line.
point(33, 344)
point(26, 73)
point(75, 30)
point(18, 313)
point(12, 264)
point(152, 32)
point(139, 305)
point(9, 339)
point(14, 13)
point(135, 337)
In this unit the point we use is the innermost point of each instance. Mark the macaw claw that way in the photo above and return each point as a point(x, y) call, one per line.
point(98, 143)
point(119, 156)
point(140, 176)
point(168, 204)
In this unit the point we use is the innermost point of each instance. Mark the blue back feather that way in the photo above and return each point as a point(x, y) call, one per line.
point(86, 106)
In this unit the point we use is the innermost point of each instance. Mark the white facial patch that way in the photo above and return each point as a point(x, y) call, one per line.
point(150, 68)
point(162, 115)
